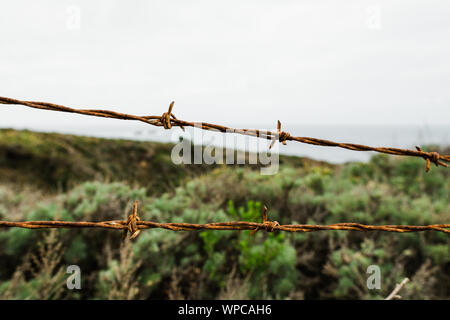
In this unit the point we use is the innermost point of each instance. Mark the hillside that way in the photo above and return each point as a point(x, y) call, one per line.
point(58, 162)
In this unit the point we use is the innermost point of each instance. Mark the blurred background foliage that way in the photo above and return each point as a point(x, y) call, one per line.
point(50, 176)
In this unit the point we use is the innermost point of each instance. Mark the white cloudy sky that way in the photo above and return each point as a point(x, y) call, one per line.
point(303, 62)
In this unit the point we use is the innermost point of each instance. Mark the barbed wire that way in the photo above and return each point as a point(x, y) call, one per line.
point(133, 226)
point(168, 120)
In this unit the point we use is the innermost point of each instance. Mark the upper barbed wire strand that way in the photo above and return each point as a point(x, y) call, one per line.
point(167, 120)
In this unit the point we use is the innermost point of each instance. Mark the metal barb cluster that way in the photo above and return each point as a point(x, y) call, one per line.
point(168, 120)
point(269, 225)
point(134, 225)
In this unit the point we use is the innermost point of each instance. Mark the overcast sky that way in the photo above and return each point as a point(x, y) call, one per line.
point(303, 62)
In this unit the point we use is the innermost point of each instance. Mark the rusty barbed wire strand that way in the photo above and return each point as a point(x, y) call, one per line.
point(168, 120)
point(134, 225)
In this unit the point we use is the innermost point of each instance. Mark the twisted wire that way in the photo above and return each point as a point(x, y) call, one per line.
point(134, 225)
point(168, 120)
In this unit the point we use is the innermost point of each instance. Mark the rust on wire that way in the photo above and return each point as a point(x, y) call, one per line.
point(134, 225)
point(168, 120)
point(269, 226)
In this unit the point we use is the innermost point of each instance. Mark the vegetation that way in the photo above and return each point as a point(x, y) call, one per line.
point(49, 176)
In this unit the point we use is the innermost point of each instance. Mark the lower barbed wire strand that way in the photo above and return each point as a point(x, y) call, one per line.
point(236, 225)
